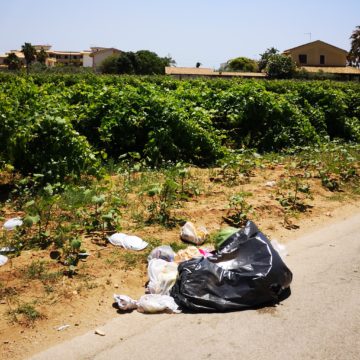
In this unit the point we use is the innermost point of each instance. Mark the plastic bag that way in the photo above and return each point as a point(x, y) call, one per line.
point(11, 224)
point(3, 260)
point(224, 234)
point(127, 241)
point(164, 252)
point(155, 303)
point(190, 252)
point(162, 276)
point(125, 302)
point(244, 272)
point(189, 233)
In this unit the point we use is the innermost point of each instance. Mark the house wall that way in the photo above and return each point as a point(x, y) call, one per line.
point(100, 56)
point(87, 60)
point(333, 57)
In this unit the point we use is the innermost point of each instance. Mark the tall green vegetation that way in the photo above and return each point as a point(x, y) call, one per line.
point(41, 56)
point(29, 52)
point(354, 54)
point(143, 62)
point(64, 126)
point(280, 67)
point(264, 57)
point(242, 64)
point(13, 62)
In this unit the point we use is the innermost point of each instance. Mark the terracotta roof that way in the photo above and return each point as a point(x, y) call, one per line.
point(333, 70)
point(313, 43)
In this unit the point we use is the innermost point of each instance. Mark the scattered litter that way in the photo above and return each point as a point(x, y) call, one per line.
point(223, 235)
point(164, 252)
point(245, 271)
point(155, 303)
point(125, 302)
point(205, 252)
point(189, 233)
point(99, 332)
point(280, 248)
point(3, 260)
point(62, 327)
point(149, 304)
point(129, 242)
point(11, 224)
point(83, 255)
point(7, 249)
point(270, 183)
point(162, 276)
point(190, 252)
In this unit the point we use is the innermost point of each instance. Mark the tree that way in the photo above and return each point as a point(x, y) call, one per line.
point(264, 58)
point(149, 63)
point(109, 65)
point(13, 62)
point(143, 62)
point(242, 64)
point(354, 54)
point(41, 56)
point(127, 63)
point(280, 67)
point(29, 52)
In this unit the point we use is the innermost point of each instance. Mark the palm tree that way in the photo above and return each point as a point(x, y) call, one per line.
point(41, 56)
point(29, 52)
point(354, 54)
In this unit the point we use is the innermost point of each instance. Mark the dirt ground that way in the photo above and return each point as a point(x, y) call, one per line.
point(85, 301)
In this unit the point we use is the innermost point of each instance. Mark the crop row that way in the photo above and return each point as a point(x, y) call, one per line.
point(61, 125)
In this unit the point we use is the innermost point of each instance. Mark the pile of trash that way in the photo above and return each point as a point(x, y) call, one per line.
point(244, 271)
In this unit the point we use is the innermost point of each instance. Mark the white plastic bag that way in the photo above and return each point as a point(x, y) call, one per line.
point(11, 224)
point(3, 260)
point(164, 252)
point(127, 241)
point(125, 302)
point(190, 234)
point(162, 276)
point(155, 303)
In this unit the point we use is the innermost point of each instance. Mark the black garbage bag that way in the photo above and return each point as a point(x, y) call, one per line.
point(246, 271)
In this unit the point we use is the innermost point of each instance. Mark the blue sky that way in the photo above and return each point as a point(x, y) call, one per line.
point(210, 32)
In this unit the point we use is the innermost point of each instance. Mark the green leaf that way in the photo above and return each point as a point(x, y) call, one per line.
point(31, 220)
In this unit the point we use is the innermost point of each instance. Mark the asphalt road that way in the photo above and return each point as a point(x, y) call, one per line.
point(320, 320)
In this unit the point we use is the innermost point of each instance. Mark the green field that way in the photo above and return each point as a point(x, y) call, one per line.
point(58, 125)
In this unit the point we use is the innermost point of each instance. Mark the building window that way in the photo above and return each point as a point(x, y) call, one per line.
point(322, 59)
point(303, 59)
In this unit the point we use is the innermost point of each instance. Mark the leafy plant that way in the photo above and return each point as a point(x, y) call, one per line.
point(292, 192)
point(39, 212)
point(239, 209)
point(163, 198)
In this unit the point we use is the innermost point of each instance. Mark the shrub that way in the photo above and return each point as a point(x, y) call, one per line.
point(242, 64)
point(280, 67)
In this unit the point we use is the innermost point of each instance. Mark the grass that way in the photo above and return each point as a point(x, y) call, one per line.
point(37, 270)
point(25, 314)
